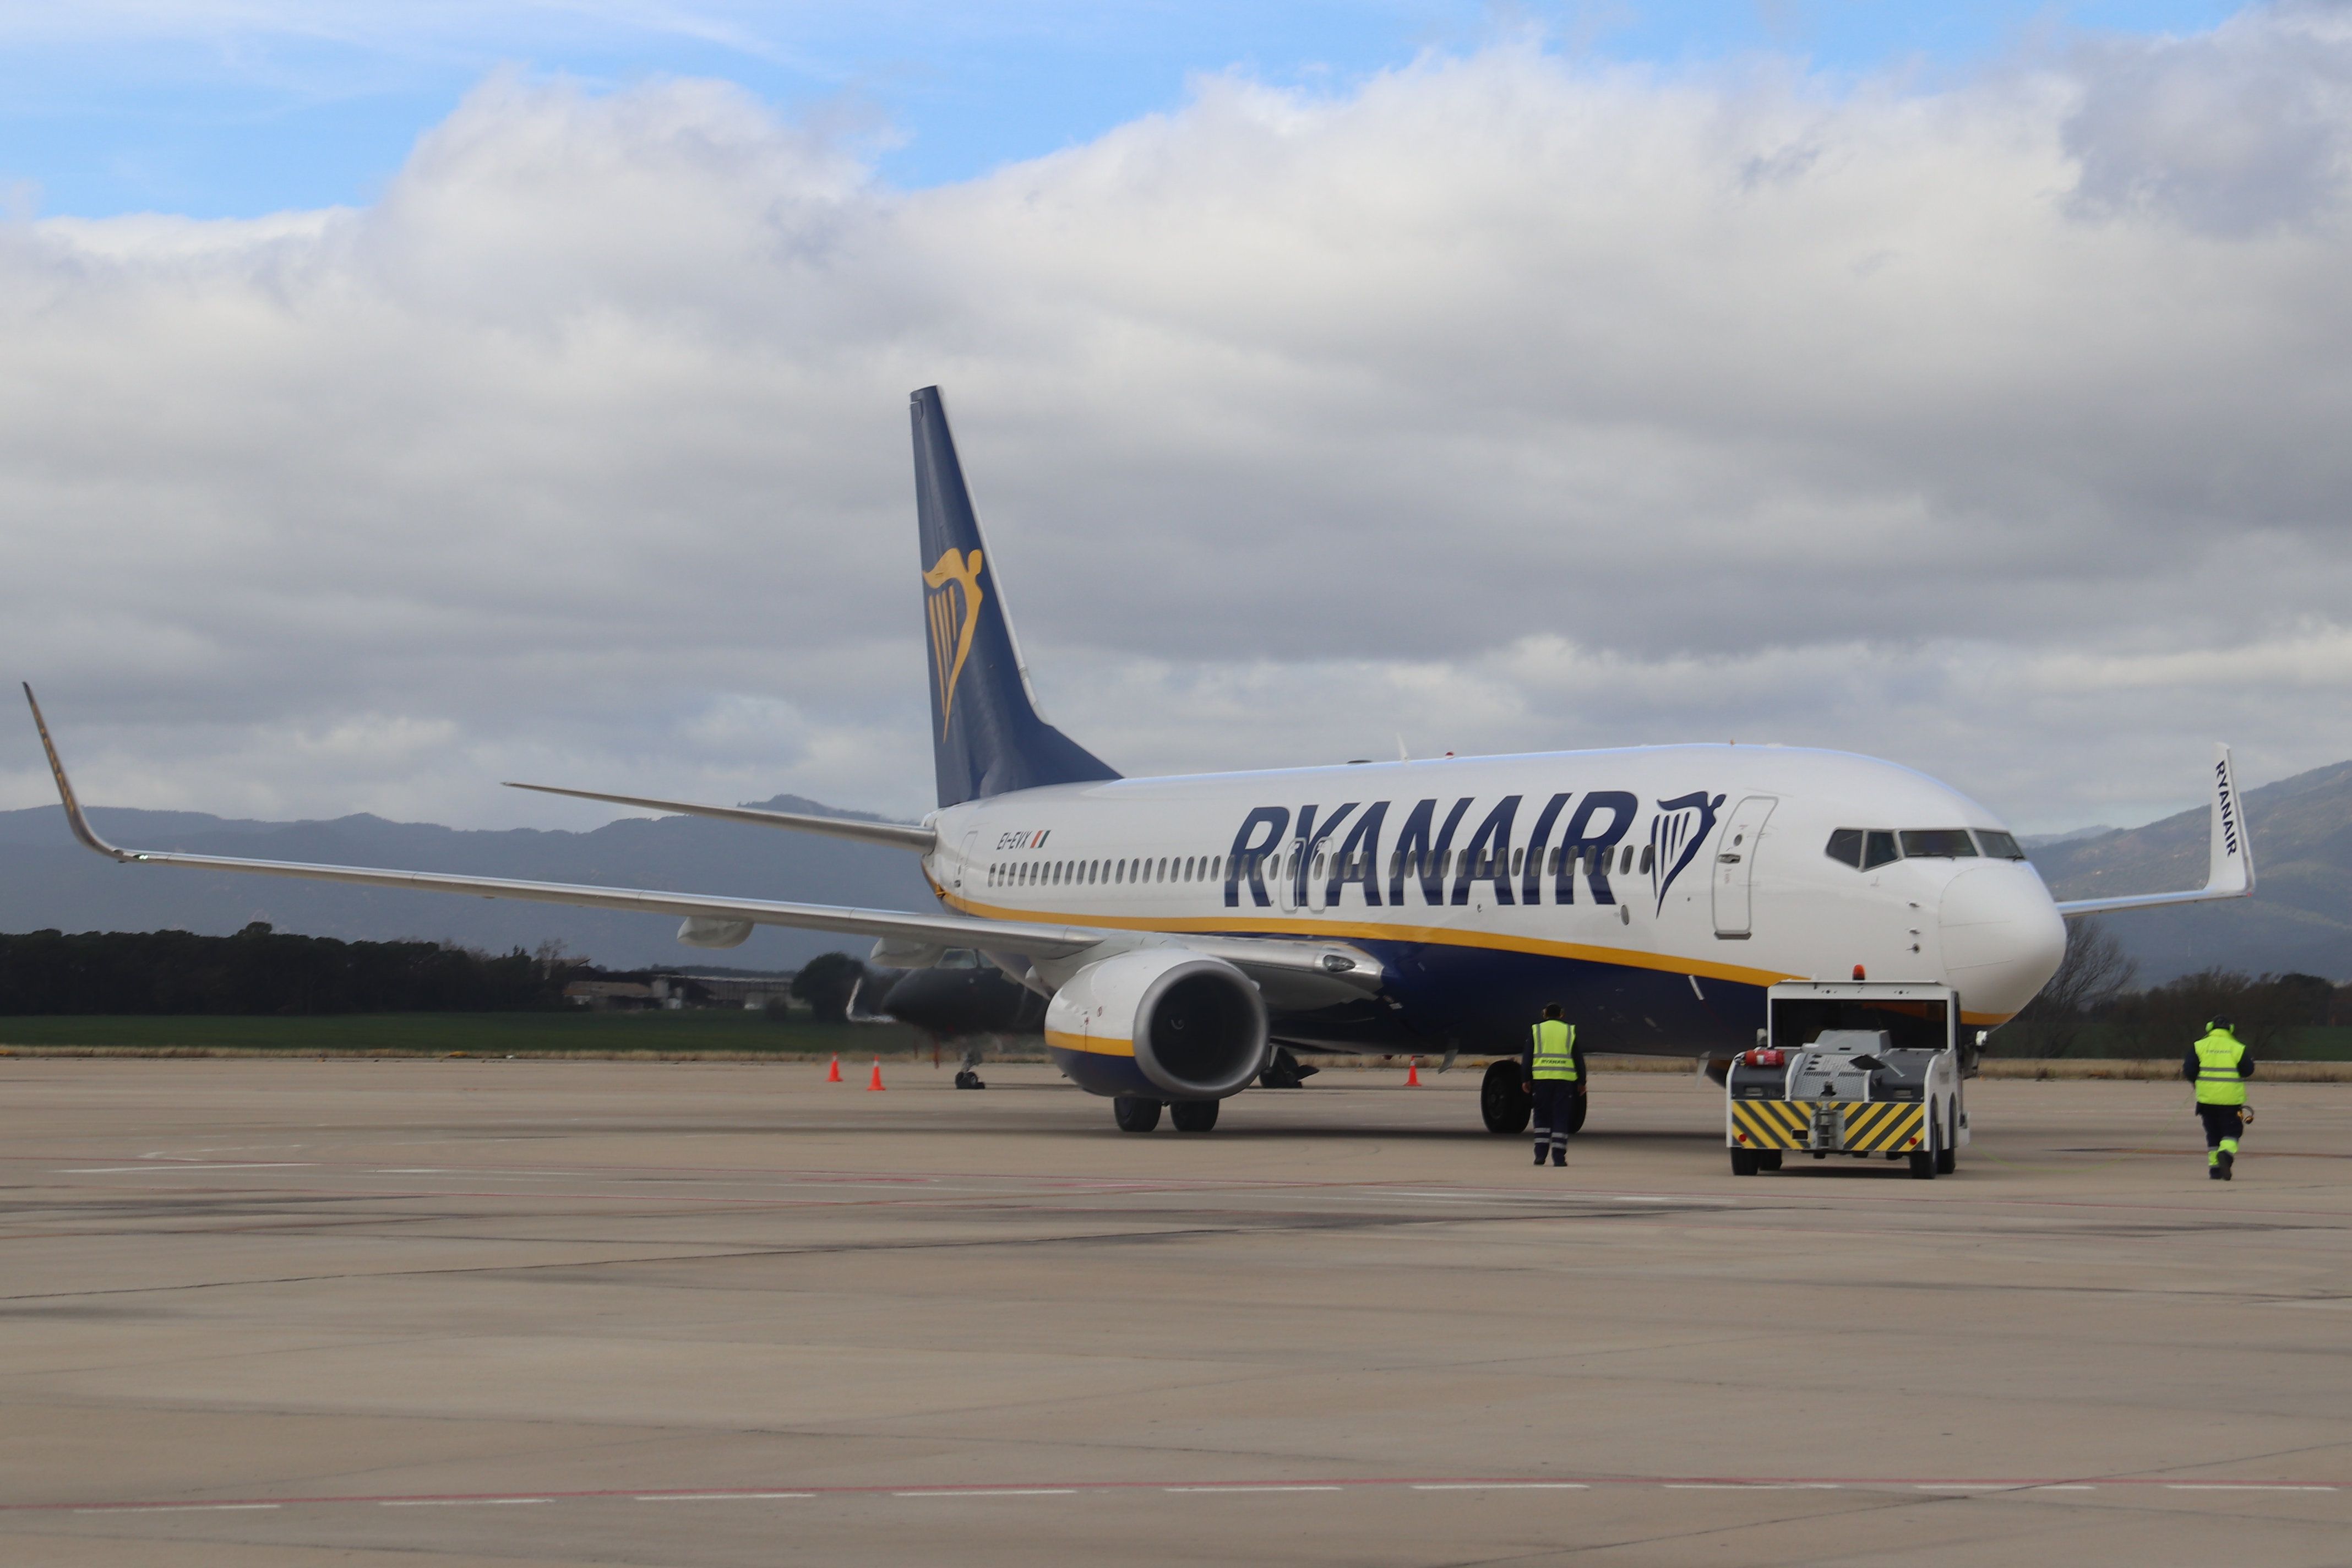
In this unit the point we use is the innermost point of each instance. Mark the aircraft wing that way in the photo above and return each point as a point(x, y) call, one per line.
point(2229, 872)
point(1308, 969)
point(890, 834)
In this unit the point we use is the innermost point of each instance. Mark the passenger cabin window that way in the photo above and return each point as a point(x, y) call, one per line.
point(1647, 851)
point(1846, 845)
point(2000, 845)
point(1938, 843)
point(1878, 849)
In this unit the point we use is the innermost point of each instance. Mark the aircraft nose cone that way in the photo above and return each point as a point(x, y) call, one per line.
point(2003, 939)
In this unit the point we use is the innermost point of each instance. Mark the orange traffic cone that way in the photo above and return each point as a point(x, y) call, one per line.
point(877, 1082)
point(1412, 1072)
point(834, 1076)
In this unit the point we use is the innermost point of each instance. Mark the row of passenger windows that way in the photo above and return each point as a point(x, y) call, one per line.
point(1867, 848)
point(1055, 873)
point(1594, 861)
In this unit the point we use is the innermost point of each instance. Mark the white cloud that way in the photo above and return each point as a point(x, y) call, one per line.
point(1505, 403)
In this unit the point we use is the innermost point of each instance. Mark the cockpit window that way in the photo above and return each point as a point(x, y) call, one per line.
point(1878, 849)
point(1846, 845)
point(1938, 843)
point(2000, 845)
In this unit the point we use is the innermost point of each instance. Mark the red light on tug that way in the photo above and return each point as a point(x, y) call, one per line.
point(1858, 973)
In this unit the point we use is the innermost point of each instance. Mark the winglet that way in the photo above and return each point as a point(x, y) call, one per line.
point(2230, 854)
point(74, 818)
point(2231, 851)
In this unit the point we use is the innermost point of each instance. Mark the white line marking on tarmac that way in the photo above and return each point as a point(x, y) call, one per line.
point(462, 1501)
point(2238, 1486)
point(994, 1492)
point(1502, 1486)
point(182, 1508)
point(717, 1496)
point(1252, 1489)
point(258, 1165)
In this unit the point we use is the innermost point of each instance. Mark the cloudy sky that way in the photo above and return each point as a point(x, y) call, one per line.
point(396, 399)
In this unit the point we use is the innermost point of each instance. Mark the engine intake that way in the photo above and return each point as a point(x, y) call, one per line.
point(1195, 1026)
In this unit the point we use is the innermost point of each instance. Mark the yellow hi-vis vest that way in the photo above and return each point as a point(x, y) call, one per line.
point(1555, 1045)
point(2218, 1082)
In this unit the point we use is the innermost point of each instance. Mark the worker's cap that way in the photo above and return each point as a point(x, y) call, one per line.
point(2219, 1024)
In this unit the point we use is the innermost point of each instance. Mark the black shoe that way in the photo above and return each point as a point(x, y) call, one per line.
point(1539, 1159)
point(2228, 1160)
point(2222, 1170)
point(1560, 1160)
point(2212, 1172)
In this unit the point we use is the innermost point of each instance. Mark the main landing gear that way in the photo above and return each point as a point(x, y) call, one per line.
point(1286, 1071)
point(968, 1075)
point(1502, 1099)
point(1507, 1108)
point(1133, 1114)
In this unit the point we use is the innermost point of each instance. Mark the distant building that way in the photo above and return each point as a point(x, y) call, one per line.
point(751, 992)
point(673, 991)
point(614, 996)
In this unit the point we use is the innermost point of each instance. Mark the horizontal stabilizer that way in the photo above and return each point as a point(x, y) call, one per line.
point(2230, 866)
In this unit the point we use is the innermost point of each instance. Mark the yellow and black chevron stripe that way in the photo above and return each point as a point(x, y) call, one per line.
point(1875, 1127)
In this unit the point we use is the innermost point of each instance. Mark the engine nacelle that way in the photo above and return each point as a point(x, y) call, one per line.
point(1160, 1022)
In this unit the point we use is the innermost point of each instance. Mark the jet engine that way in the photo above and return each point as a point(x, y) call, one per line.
point(1195, 1024)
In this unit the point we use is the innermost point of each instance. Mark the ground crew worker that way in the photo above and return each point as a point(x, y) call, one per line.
point(2219, 1065)
point(1553, 1066)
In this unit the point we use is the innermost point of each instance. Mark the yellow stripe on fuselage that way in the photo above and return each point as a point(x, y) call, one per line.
point(1339, 930)
point(1089, 1044)
point(1443, 936)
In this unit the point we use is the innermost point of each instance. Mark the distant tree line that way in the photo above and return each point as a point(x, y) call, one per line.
point(261, 971)
point(2091, 1007)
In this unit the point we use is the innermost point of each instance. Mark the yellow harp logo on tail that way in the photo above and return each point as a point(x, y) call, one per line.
point(952, 596)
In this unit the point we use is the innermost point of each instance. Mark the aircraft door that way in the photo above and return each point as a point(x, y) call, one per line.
point(1319, 878)
point(964, 866)
point(1734, 865)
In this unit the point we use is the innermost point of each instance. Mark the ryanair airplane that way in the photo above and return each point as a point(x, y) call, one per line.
point(1190, 930)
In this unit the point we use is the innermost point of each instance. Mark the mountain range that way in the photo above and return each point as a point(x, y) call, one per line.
point(2300, 918)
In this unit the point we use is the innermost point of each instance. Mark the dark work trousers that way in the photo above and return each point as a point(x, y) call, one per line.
point(1555, 1100)
point(2224, 1123)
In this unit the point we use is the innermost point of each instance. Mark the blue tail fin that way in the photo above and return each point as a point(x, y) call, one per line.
point(987, 739)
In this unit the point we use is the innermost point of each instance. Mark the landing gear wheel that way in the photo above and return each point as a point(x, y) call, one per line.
point(1768, 1159)
point(1503, 1101)
point(1284, 1070)
point(1948, 1151)
point(1134, 1113)
point(1193, 1115)
point(968, 1078)
point(1576, 1107)
point(1743, 1162)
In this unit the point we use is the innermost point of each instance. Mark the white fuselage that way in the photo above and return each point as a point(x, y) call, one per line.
point(1655, 890)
